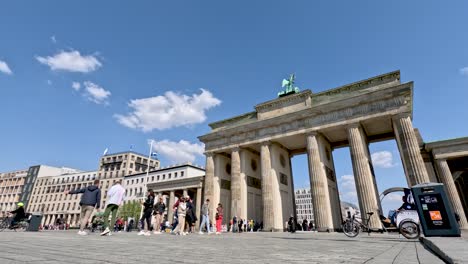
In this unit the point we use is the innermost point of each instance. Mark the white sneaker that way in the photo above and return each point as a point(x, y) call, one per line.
point(218, 233)
point(184, 234)
point(109, 234)
point(200, 233)
point(141, 233)
point(82, 233)
point(147, 233)
point(157, 232)
point(105, 232)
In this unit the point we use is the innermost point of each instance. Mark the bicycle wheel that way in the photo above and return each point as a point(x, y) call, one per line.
point(4, 225)
point(351, 228)
point(410, 230)
point(21, 226)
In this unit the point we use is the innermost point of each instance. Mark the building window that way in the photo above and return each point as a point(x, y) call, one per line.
point(181, 174)
point(175, 174)
point(169, 176)
point(164, 176)
point(157, 178)
point(152, 178)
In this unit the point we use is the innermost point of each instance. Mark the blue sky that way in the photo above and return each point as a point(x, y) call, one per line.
point(161, 56)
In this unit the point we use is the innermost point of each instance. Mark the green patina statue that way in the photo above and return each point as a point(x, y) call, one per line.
point(289, 84)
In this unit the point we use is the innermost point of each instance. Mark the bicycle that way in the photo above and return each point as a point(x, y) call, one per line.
point(21, 226)
point(351, 227)
point(407, 227)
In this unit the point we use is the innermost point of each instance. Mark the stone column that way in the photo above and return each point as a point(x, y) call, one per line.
point(363, 177)
point(235, 183)
point(413, 163)
point(170, 212)
point(209, 182)
point(318, 187)
point(452, 193)
point(267, 187)
point(198, 207)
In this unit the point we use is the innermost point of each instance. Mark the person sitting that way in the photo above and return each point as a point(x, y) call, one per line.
point(19, 214)
point(406, 205)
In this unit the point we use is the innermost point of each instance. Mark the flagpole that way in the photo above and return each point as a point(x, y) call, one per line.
point(145, 186)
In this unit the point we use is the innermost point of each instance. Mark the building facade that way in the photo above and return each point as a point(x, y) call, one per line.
point(48, 197)
point(11, 186)
point(118, 165)
point(171, 183)
point(39, 171)
point(304, 209)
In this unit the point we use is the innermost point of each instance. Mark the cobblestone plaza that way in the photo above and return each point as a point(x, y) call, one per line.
point(307, 247)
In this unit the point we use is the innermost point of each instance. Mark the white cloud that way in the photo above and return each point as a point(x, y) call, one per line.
point(383, 159)
point(464, 71)
point(53, 39)
point(393, 197)
point(95, 93)
point(4, 68)
point(168, 110)
point(76, 86)
point(179, 152)
point(347, 189)
point(49, 82)
point(71, 61)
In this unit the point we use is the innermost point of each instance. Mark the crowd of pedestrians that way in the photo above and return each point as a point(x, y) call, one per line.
point(183, 209)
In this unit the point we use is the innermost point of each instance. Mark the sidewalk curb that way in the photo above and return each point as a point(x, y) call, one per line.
point(426, 242)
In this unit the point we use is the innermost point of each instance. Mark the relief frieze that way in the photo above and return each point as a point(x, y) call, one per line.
point(311, 121)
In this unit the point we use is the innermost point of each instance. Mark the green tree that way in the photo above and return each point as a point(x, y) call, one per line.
point(130, 209)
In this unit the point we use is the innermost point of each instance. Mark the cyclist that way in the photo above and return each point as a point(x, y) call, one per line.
point(19, 214)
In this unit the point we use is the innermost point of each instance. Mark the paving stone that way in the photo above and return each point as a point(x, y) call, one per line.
point(302, 247)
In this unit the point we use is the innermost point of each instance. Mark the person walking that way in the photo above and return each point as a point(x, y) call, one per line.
point(181, 212)
point(190, 217)
point(90, 199)
point(147, 212)
point(159, 209)
point(205, 210)
point(115, 196)
point(219, 218)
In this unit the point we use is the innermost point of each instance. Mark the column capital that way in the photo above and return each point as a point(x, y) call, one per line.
point(266, 143)
point(312, 133)
point(235, 149)
point(401, 115)
point(354, 125)
point(209, 154)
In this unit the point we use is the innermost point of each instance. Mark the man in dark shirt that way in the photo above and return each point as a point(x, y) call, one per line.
point(19, 214)
point(90, 199)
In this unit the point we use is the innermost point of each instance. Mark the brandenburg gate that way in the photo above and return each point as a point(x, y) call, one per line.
point(248, 157)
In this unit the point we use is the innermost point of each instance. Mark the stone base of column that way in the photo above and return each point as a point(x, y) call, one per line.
point(325, 229)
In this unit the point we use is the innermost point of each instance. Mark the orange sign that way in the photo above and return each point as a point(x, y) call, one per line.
point(435, 215)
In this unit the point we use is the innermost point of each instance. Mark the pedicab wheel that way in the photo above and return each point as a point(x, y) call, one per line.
point(410, 230)
point(350, 228)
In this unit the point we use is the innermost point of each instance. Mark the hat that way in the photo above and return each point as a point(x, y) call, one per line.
point(20, 204)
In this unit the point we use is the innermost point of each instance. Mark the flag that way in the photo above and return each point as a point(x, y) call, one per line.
point(154, 154)
point(105, 151)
